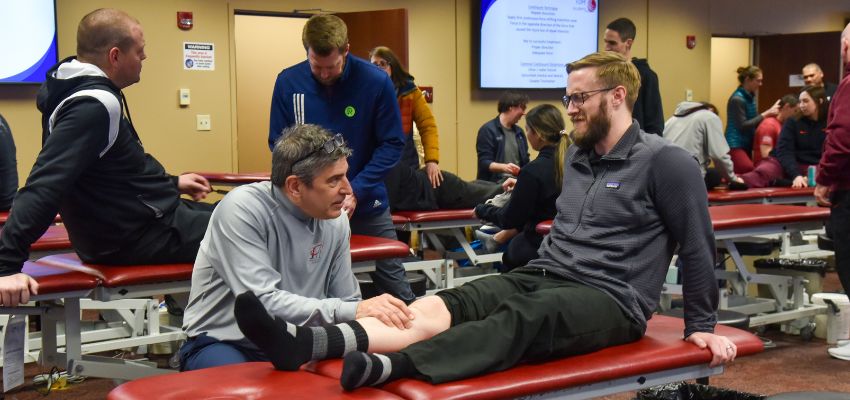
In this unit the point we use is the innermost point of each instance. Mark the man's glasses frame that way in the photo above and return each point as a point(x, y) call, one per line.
point(329, 146)
point(579, 98)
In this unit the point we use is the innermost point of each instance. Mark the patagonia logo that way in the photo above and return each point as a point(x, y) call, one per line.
point(612, 185)
point(350, 111)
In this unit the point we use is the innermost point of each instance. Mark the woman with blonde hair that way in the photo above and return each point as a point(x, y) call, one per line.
point(535, 189)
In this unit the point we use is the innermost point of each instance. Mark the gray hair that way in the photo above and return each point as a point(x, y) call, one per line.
point(299, 152)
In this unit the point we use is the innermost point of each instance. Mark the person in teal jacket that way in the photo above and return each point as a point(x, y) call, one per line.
point(742, 118)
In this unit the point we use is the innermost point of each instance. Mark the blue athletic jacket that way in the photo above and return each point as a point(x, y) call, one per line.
point(362, 106)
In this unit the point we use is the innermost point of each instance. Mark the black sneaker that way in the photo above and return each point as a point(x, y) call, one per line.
point(735, 185)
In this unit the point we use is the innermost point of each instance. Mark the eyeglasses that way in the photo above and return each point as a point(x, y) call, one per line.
point(579, 98)
point(328, 146)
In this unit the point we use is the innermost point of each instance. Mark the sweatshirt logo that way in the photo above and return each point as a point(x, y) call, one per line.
point(350, 111)
point(314, 251)
point(376, 204)
point(612, 185)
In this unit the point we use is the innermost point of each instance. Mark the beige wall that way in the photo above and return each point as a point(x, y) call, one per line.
point(440, 33)
point(727, 54)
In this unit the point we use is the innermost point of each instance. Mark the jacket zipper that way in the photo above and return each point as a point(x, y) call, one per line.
point(586, 195)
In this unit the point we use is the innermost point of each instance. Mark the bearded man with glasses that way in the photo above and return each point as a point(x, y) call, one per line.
point(287, 243)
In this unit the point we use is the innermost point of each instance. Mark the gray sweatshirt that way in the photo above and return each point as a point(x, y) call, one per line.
point(299, 267)
point(701, 134)
point(616, 230)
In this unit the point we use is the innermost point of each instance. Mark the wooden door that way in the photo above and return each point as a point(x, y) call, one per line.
point(782, 55)
point(259, 60)
point(368, 29)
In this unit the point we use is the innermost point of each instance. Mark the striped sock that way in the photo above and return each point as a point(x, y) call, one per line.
point(289, 346)
point(363, 369)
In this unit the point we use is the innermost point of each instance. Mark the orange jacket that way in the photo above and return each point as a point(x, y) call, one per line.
point(415, 109)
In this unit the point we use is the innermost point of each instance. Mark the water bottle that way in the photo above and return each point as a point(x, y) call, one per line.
point(813, 170)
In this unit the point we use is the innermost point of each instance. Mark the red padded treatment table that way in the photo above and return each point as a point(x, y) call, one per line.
point(771, 195)
point(728, 220)
point(452, 222)
point(659, 357)
point(235, 179)
point(55, 238)
point(4, 216)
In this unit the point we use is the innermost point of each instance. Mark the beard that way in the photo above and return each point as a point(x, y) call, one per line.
point(597, 127)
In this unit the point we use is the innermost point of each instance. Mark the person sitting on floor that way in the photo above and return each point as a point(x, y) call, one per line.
point(534, 190)
point(800, 145)
point(287, 241)
point(767, 133)
point(629, 200)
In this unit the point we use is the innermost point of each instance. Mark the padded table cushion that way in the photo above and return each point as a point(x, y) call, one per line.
point(123, 275)
point(368, 248)
point(399, 219)
point(746, 215)
point(661, 349)
point(57, 280)
point(255, 380)
point(719, 196)
point(437, 215)
point(543, 227)
point(55, 238)
point(235, 179)
point(4, 216)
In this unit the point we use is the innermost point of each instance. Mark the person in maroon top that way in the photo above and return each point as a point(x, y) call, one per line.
point(833, 181)
point(767, 133)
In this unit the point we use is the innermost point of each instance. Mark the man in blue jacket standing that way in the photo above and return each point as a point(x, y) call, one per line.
point(348, 95)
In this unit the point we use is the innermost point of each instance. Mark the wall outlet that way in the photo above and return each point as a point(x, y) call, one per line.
point(204, 123)
point(689, 95)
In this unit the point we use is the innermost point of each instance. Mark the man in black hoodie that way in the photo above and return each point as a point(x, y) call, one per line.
point(619, 36)
point(117, 202)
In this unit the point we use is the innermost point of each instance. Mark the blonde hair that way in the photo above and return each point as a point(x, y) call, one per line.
point(324, 33)
point(613, 70)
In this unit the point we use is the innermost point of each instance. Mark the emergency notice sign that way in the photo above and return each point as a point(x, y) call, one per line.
point(198, 56)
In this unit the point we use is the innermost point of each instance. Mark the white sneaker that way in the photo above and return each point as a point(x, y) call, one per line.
point(487, 242)
point(841, 353)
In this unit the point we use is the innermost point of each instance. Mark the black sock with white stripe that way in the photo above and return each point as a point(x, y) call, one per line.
point(289, 346)
point(363, 369)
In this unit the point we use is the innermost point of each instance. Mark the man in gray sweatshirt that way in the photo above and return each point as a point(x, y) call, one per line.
point(287, 243)
point(697, 128)
point(629, 200)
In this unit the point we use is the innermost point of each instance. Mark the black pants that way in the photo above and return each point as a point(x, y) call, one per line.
point(174, 238)
point(501, 320)
point(521, 249)
point(456, 193)
point(839, 220)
